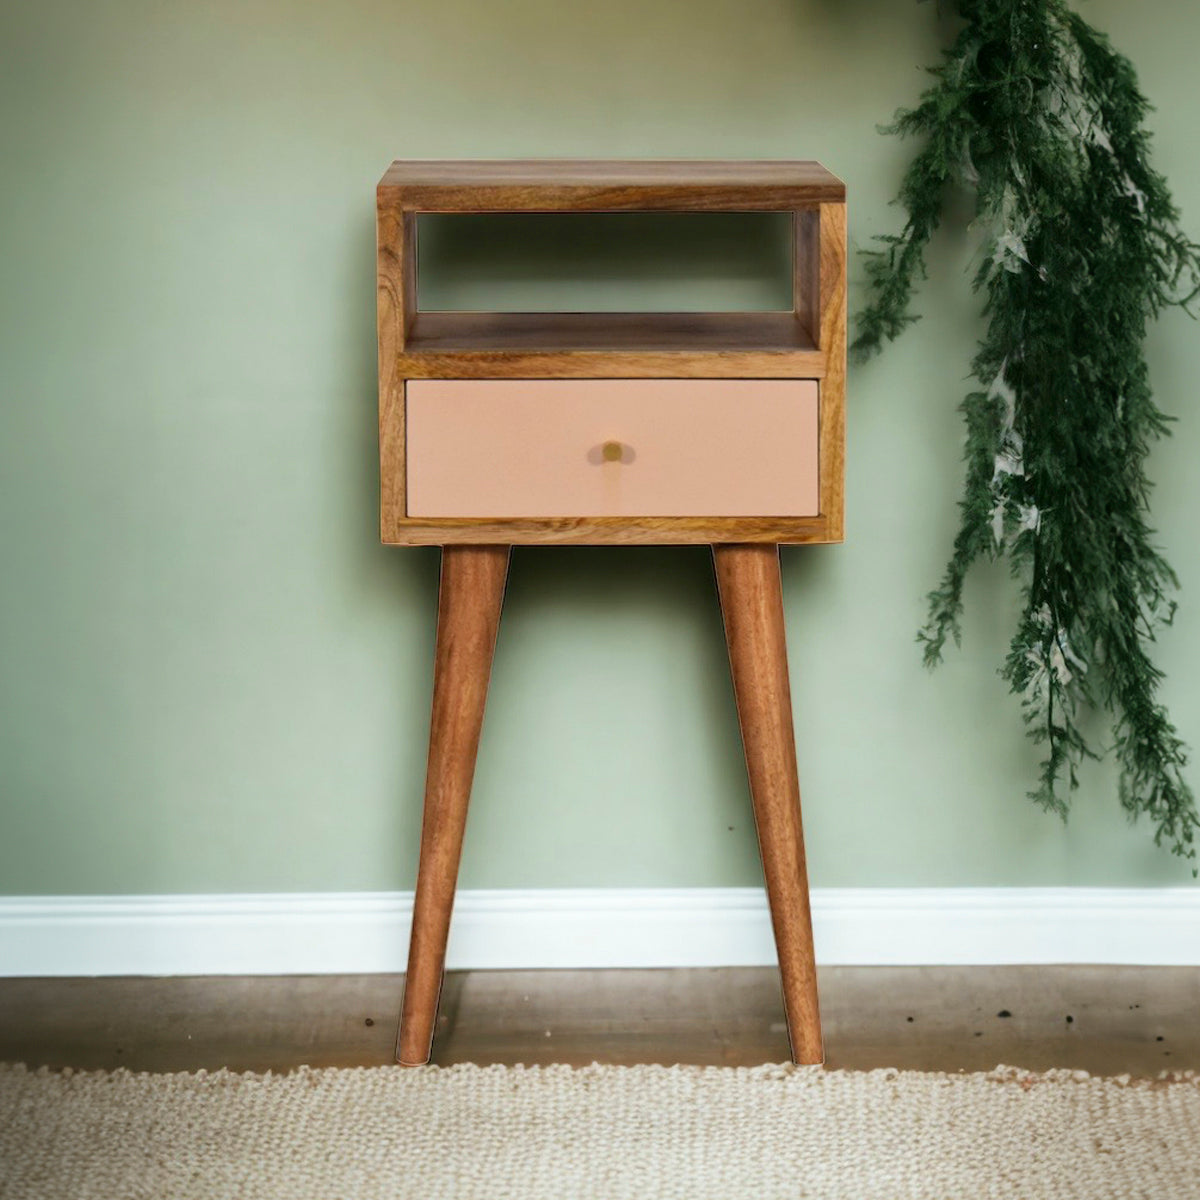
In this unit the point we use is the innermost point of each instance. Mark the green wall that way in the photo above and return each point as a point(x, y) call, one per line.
point(212, 677)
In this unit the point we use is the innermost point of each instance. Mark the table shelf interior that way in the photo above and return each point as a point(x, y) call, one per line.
point(446, 332)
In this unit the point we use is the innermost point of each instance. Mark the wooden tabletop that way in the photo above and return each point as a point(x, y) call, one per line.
point(575, 184)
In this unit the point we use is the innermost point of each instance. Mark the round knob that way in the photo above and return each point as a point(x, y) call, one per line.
point(612, 451)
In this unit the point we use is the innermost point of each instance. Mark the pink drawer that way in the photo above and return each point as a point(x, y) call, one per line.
point(611, 447)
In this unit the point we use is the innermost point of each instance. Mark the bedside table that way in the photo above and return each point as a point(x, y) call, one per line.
point(500, 428)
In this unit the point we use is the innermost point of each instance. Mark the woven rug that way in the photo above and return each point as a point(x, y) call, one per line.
point(515, 1133)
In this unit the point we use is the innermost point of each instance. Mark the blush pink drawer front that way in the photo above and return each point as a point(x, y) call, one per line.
point(611, 447)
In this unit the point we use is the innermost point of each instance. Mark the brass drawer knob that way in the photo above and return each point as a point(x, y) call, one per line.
point(611, 452)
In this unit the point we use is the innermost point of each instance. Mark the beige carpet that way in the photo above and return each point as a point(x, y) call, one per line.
point(514, 1133)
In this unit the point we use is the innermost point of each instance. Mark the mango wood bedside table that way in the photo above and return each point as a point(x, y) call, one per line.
point(499, 429)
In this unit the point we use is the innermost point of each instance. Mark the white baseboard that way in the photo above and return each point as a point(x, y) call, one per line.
point(366, 932)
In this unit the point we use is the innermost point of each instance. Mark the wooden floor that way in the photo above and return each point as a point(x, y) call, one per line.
point(1106, 1020)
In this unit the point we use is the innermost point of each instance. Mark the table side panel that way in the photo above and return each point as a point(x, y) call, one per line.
point(833, 386)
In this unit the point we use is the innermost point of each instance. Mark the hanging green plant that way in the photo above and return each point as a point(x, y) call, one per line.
point(1034, 113)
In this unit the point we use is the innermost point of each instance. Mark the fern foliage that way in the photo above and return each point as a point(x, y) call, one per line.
point(1042, 121)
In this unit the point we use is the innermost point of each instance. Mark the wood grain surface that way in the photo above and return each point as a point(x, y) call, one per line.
point(749, 583)
point(608, 531)
point(806, 275)
point(521, 332)
point(471, 595)
point(568, 363)
point(580, 185)
point(396, 302)
point(833, 386)
point(1108, 1020)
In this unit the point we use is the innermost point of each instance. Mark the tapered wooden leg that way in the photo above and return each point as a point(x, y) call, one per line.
point(752, 604)
point(472, 590)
